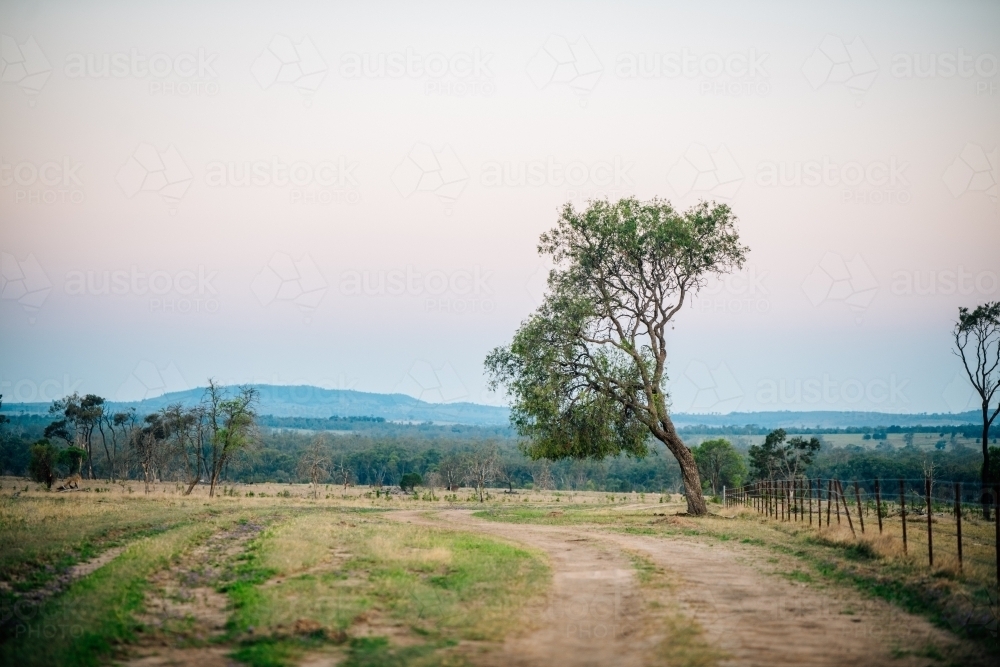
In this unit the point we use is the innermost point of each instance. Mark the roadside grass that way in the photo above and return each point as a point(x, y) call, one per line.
point(401, 594)
point(43, 533)
point(963, 602)
point(86, 624)
point(684, 644)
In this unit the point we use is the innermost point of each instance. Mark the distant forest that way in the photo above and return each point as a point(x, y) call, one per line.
point(378, 452)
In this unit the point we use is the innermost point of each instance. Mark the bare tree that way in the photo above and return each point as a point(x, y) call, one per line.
point(481, 469)
point(190, 436)
point(148, 445)
point(84, 413)
point(432, 480)
point(977, 343)
point(232, 425)
point(116, 433)
point(541, 475)
point(505, 472)
point(452, 470)
point(315, 463)
point(343, 472)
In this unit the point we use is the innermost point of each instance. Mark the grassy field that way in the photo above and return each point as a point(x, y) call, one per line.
point(274, 574)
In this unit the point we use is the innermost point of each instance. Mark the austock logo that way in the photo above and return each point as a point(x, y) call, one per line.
point(284, 62)
point(24, 282)
point(434, 385)
point(298, 281)
point(716, 389)
point(147, 380)
point(182, 75)
point(561, 62)
point(835, 62)
point(149, 170)
point(459, 74)
point(850, 282)
point(50, 182)
point(183, 292)
point(700, 170)
point(34, 391)
point(974, 170)
point(24, 65)
point(426, 170)
point(323, 182)
point(874, 182)
point(734, 73)
point(830, 392)
point(457, 292)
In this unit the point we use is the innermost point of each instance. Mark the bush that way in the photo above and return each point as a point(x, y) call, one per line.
point(42, 465)
point(410, 480)
point(72, 458)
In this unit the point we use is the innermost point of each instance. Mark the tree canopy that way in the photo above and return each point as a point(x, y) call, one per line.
point(586, 372)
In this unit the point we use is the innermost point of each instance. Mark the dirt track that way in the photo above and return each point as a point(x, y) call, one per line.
point(594, 614)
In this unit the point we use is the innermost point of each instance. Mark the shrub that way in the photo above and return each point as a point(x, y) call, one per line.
point(42, 465)
point(410, 480)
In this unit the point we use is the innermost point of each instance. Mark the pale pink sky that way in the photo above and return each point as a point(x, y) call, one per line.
point(328, 193)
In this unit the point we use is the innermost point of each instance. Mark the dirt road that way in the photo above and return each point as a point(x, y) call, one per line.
point(594, 614)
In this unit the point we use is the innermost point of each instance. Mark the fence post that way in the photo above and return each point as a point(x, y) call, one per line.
point(829, 484)
point(902, 509)
point(958, 521)
point(878, 505)
point(810, 502)
point(861, 516)
point(996, 520)
point(723, 495)
point(930, 514)
point(847, 512)
point(836, 502)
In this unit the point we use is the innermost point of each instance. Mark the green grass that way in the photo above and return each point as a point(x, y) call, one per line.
point(436, 586)
point(97, 613)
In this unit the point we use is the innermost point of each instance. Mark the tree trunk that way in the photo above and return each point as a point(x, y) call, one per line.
point(984, 497)
point(696, 505)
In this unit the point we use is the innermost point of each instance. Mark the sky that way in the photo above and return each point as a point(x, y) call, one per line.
point(350, 195)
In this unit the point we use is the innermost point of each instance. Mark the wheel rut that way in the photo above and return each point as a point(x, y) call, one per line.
point(747, 612)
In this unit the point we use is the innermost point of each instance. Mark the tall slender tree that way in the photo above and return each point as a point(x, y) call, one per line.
point(977, 344)
point(587, 371)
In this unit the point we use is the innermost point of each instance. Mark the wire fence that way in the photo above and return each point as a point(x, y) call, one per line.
point(949, 524)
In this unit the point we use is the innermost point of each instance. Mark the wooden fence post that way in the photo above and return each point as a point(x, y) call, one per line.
point(829, 484)
point(847, 512)
point(878, 505)
point(902, 509)
point(861, 516)
point(810, 502)
point(836, 502)
point(996, 519)
point(930, 514)
point(958, 521)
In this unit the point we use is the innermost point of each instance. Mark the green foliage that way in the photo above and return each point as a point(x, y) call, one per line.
point(719, 464)
point(777, 458)
point(410, 480)
point(72, 458)
point(586, 371)
point(42, 465)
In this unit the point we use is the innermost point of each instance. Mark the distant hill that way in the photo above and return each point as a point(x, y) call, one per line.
point(309, 401)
